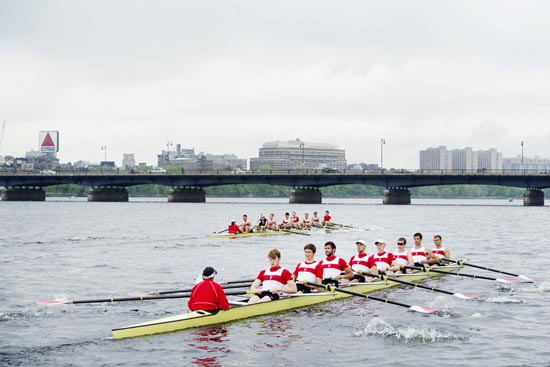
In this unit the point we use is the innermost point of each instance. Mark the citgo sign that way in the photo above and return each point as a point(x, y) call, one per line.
point(48, 141)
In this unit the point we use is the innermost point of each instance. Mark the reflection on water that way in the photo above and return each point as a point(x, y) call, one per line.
point(210, 341)
point(276, 332)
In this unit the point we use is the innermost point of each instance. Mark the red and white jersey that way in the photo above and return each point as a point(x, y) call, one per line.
point(306, 271)
point(306, 222)
point(359, 263)
point(271, 222)
point(327, 218)
point(285, 220)
point(315, 220)
point(330, 267)
point(419, 254)
point(381, 260)
point(439, 252)
point(295, 219)
point(274, 278)
point(402, 258)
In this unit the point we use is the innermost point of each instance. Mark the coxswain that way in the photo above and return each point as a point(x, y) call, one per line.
point(326, 219)
point(329, 270)
point(208, 295)
point(359, 263)
point(272, 281)
point(234, 228)
point(380, 261)
point(440, 251)
point(306, 269)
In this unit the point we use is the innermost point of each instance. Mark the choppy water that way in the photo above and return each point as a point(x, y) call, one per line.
point(81, 250)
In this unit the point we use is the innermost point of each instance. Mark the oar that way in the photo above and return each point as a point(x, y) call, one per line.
point(395, 279)
point(428, 270)
point(240, 285)
point(346, 226)
point(126, 299)
point(291, 231)
point(461, 262)
point(332, 288)
point(225, 230)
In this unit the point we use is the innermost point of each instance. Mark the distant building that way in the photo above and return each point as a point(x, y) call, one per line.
point(188, 160)
point(536, 164)
point(460, 159)
point(128, 161)
point(296, 154)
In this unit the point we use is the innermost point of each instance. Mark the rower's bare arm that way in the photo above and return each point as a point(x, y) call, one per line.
point(348, 273)
point(290, 287)
point(255, 285)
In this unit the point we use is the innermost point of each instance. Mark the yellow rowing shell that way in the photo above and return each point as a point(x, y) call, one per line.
point(204, 318)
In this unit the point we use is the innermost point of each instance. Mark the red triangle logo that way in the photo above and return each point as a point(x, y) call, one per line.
point(48, 142)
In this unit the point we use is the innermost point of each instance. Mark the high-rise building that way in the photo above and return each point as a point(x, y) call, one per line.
point(297, 154)
point(128, 161)
point(460, 159)
point(436, 159)
point(526, 164)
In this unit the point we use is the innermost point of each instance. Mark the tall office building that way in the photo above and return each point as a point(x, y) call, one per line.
point(297, 154)
point(436, 159)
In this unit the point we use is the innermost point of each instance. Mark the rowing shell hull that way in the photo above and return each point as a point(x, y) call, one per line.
point(251, 234)
point(204, 318)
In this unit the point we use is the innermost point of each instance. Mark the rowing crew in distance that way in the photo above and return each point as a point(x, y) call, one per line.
point(288, 222)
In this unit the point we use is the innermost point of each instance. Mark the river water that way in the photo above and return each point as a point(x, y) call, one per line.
point(74, 249)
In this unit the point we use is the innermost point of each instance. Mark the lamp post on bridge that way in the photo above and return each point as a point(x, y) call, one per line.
point(382, 142)
point(302, 146)
point(522, 168)
point(105, 149)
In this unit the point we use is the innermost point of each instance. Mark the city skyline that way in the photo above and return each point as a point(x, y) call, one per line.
point(225, 78)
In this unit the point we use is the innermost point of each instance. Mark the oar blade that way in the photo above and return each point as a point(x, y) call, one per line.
point(507, 280)
point(139, 294)
point(51, 302)
point(423, 309)
point(465, 296)
point(527, 277)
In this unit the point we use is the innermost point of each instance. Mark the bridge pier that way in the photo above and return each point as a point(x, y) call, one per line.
point(108, 194)
point(23, 193)
point(533, 197)
point(187, 195)
point(397, 196)
point(305, 195)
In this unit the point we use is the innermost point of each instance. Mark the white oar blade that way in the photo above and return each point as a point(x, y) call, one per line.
point(139, 294)
point(508, 280)
point(52, 302)
point(527, 277)
point(465, 296)
point(423, 309)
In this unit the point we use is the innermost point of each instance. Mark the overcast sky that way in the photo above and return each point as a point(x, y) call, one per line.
point(227, 76)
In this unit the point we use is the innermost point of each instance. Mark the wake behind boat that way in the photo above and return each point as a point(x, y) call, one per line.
point(238, 311)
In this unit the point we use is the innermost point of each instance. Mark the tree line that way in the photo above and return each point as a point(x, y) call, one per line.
point(343, 191)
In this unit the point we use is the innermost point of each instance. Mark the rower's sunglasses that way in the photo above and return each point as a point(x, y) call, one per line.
point(400, 244)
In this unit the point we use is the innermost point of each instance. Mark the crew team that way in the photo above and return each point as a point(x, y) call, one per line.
point(275, 280)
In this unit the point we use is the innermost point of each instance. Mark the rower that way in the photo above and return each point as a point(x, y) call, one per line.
point(245, 225)
point(359, 263)
point(285, 223)
point(440, 251)
point(294, 220)
point(306, 221)
point(271, 222)
point(326, 219)
point(329, 270)
point(261, 224)
point(234, 228)
point(381, 261)
point(305, 271)
point(208, 295)
point(402, 257)
point(315, 221)
point(273, 280)
point(421, 255)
